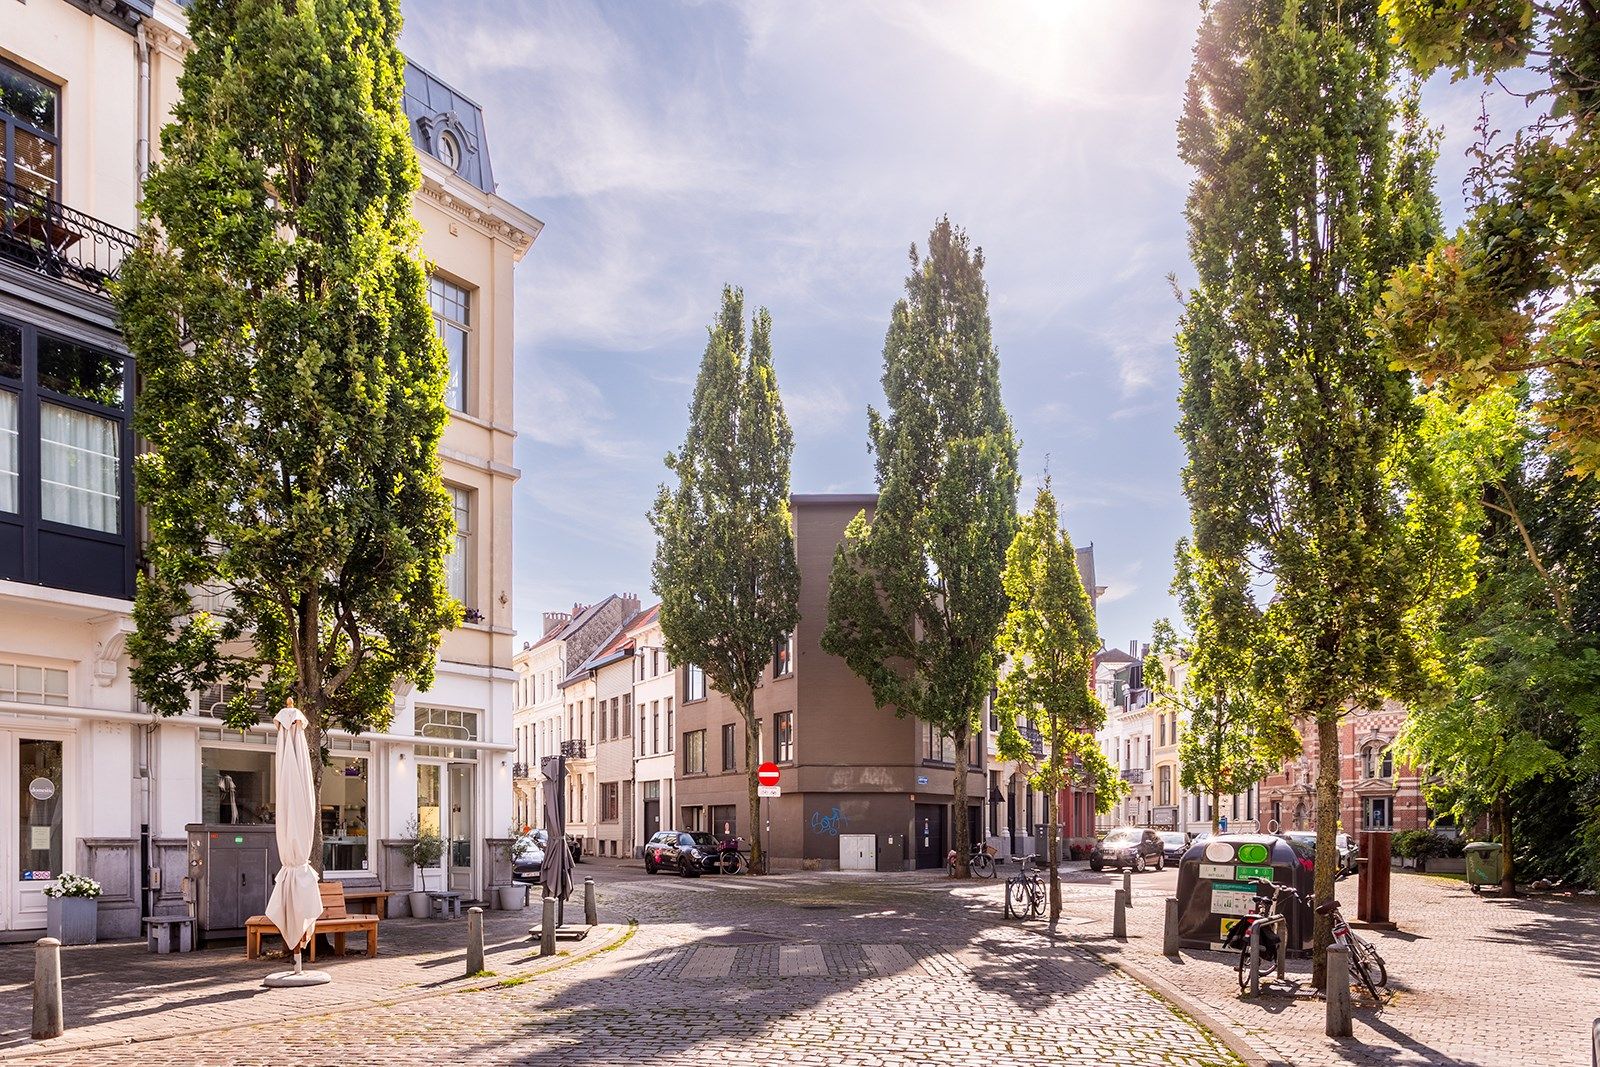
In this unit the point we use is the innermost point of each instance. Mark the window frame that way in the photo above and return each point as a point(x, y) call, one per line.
point(9, 123)
point(694, 752)
point(783, 737)
point(437, 302)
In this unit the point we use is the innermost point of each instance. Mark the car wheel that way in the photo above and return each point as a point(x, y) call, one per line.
point(1093, 866)
point(1138, 864)
point(649, 868)
point(1161, 862)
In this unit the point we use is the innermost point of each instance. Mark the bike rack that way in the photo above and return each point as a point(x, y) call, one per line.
point(1255, 950)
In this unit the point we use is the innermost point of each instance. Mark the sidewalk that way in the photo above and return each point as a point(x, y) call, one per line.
point(1475, 980)
point(119, 992)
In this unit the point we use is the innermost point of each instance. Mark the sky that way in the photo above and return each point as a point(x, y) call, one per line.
point(798, 150)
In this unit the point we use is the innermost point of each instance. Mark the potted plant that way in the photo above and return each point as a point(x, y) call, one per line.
point(518, 843)
point(73, 911)
point(424, 849)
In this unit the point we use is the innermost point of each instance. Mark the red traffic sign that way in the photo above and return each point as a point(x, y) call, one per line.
point(767, 773)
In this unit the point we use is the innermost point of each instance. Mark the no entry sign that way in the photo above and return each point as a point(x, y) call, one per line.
point(767, 773)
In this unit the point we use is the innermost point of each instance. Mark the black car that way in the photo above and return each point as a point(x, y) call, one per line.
point(690, 854)
point(1128, 846)
point(529, 860)
point(1173, 845)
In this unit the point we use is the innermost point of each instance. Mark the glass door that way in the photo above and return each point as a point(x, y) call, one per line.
point(459, 850)
point(432, 818)
point(34, 842)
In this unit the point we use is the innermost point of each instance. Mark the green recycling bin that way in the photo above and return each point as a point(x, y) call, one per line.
point(1483, 864)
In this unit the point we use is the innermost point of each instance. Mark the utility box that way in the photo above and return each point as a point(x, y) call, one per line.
point(230, 871)
point(1214, 890)
point(858, 852)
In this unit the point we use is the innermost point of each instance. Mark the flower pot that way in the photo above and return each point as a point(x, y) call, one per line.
point(511, 897)
point(419, 905)
point(73, 920)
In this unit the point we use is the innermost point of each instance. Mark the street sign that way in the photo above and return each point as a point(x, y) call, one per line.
point(769, 791)
point(922, 779)
point(767, 774)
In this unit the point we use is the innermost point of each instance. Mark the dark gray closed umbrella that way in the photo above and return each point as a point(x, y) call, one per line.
point(556, 873)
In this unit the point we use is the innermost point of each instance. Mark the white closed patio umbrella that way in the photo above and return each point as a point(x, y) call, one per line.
point(296, 901)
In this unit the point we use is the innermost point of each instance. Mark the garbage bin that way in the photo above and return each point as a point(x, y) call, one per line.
point(1214, 890)
point(1483, 864)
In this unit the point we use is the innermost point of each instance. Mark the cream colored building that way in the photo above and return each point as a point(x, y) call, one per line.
point(654, 693)
point(104, 782)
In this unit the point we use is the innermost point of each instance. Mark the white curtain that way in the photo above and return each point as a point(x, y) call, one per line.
point(8, 452)
point(80, 468)
point(460, 557)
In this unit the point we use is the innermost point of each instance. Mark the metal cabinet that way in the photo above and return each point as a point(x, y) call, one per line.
point(230, 875)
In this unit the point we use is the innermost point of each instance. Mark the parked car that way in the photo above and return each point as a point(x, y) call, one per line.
point(690, 854)
point(1346, 845)
point(574, 845)
point(1173, 844)
point(526, 866)
point(1128, 846)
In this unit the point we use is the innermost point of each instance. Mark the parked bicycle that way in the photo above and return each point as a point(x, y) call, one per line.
point(730, 859)
point(980, 863)
point(1365, 963)
point(1265, 905)
point(1025, 892)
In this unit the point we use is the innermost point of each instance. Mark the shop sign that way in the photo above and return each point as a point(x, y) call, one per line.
point(41, 789)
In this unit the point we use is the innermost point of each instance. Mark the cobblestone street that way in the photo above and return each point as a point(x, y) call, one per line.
point(803, 969)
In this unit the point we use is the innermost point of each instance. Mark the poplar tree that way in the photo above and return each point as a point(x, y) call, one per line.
point(1049, 639)
point(915, 598)
point(1312, 184)
point(292, 384)
point(725, 567)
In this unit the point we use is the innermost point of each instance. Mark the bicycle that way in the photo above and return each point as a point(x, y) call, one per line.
point(980, 863)
point(730, 860)
point(1262, 909)
point(1025, 892)
point(1365, 963)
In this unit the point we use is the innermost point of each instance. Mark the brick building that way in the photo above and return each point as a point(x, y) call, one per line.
point(1376, 791)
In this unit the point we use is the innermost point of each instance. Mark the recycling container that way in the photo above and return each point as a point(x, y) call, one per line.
point(1483, 864)
point(1214, 890)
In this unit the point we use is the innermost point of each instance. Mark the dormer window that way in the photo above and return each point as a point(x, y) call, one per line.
point(449, 149)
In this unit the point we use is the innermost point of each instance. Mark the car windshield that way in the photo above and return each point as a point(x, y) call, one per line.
point(1173, 839)
point(704, 840)
point(1122, 837)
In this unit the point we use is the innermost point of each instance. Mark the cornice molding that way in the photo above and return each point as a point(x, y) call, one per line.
point(485, 219)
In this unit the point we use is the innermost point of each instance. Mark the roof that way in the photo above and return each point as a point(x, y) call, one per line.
point(437, 111)
point(576, 623)
point(644, 618)
point(1113, 655)
point(617, 645)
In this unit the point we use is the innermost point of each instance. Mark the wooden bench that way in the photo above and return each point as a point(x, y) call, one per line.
point(334, 920)
point(367, 901)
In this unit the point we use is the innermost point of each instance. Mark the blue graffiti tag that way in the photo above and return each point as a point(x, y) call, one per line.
point(828, 824)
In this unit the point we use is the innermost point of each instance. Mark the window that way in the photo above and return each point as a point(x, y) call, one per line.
point(729, 761)
point(28, 131)
point(608, 801)
point(783, 657)
point(694, 819)
point(655, 662)
point(670, 734)
point(80, 469)
point(345, 827)
point(449, 150)
point(39, 830)
point(783, 736)
point(655, 726)
point(452, 318)
point(236, 786)
point(694, 752)
point(694, 683)
point(725, 819)
point(641, 730)
point(458, 564)
point(33, 685)
point(627, 714)
point(1164, 780)
point(934, 746)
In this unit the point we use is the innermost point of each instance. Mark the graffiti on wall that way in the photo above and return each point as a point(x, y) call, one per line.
point(828, 824)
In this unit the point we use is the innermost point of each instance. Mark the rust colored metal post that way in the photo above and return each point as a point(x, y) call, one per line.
point(1372, 888)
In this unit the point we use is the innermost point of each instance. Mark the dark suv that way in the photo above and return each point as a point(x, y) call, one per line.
point(1128, 846)
point(690, 854)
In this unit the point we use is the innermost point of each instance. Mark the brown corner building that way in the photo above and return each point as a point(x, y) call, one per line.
point(862, 789)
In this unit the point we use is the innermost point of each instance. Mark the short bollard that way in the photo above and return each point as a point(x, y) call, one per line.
point(590, 915)
point(1169, 929)
point(1338, 991)
point(1127, 886)
point(1119, 915)
point(1597, 1043)
point(48, 1020)
point(474, 941)
point(1255, 959)
point(547, 928)
point(1283, 954)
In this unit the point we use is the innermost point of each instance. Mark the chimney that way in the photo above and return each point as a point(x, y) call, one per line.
point(630, 605)
point(555, 620)
point(1133, 649)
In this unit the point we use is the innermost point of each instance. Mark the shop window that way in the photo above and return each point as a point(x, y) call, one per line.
point(39, 835)
point(783, 736)
point(33, 685)
point(724, 820)
point(345, 823)
point(236, 786)
point(452, 317)
point(694, 819)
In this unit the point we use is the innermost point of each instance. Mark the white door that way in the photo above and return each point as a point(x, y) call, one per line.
point(446, 805)
point(858, 852)
point(433, 816)
point(33, 841)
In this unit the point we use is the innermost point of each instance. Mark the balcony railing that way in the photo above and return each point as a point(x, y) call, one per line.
point(519, 770)
point(1035, 740)
point(575, 749)
point(59, 241)
point(1133, 775)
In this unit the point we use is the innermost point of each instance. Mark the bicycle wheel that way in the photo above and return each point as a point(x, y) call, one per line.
point(1016, 897)
point(1371, 961)
point(1035, 900)
point(982, 865)
point(1363, 970)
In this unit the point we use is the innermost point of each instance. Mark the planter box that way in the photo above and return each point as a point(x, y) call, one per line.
point(73, 920)
point(1448, 864)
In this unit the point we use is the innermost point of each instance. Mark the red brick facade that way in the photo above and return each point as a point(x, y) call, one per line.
point(1376, 791)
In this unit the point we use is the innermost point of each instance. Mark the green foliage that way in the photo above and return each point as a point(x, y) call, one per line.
point(1048, 639)
point(1312, 186)
point(1425, 844)
point(421, 848)
point(1509, 297)
point(916, 599)
point(725, 567)
point(292, 383)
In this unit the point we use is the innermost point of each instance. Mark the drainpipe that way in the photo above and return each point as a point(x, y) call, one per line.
point(142, 146)
point(146, 735)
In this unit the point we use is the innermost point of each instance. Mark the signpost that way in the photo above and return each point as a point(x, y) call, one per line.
point(767, 787)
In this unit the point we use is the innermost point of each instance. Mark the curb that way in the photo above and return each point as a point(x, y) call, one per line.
point(618, 934)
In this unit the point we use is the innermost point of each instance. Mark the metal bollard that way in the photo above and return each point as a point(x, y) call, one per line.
point(590, 915)
point(474, 941)
point(1338, 1023)
point(1255, 959)
point(48, 1019)
point(1283, 953)
point(1119, 915)
point(1597, 1043)
point(1127, 886)
point(1169, 929)
point(547, 928)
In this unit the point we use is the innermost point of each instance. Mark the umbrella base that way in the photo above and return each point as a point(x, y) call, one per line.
point(563, 933)
point(290, 979)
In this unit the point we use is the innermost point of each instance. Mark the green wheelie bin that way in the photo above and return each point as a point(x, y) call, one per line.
point(1483, 865)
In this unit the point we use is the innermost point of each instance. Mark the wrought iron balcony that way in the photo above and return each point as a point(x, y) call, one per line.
point(1133, 775)
point(575, 749)
point(1035, 740)
point(519, 770)
point(58, 241)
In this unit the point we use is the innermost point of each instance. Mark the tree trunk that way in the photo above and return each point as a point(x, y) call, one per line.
point(752, 761)
point(1508, 873)
point(1052, 818)
point(314, 743)
point(1216, 809)
point(963, 839)
point(1327, 839)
